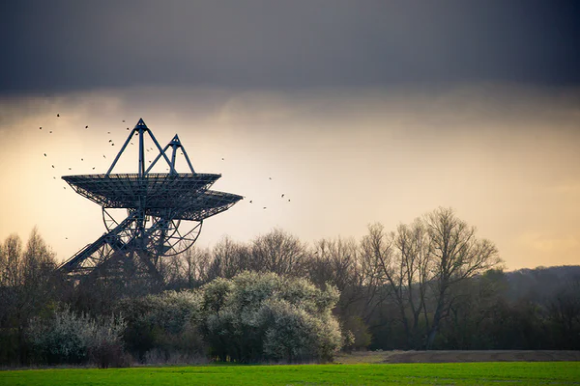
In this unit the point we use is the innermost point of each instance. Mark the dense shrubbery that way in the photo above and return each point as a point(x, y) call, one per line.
point(164, 327)
point(243, 301)
point(251, 317)
point(256, 317)
point(66, 337)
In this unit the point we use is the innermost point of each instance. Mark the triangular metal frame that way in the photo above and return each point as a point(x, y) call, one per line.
point(141, 128)
point(174, 144)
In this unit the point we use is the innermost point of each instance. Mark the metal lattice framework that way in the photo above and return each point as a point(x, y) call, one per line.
point(147, 215)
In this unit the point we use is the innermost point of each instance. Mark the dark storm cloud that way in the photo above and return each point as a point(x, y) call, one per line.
point(61, 45)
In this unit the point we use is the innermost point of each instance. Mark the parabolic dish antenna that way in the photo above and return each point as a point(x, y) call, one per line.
point(147, 215)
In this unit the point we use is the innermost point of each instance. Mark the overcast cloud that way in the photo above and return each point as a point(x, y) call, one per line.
point(50, 46)
point(360, 111)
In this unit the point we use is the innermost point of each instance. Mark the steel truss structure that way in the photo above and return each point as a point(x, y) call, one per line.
point(162, 214)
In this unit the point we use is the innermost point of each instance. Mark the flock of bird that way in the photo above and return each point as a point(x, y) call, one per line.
point(148, 150)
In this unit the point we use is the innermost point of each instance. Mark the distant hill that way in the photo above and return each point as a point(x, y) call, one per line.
point(562, 272)
point(542, 282)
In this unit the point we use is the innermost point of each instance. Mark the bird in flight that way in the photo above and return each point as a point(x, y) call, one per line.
point(282, 195)
point(110, 140)
point(264, 207)
point(53, 166)
point(222, 159)
point(40, 128)
point(57, 115)
point(50, 132)
point(45, 154)
point(82, 159)
point(87, 126)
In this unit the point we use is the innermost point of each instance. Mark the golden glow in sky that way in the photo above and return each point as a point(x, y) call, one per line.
point(507, 159)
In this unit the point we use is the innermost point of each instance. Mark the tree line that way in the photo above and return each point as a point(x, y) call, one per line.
point(430, 284)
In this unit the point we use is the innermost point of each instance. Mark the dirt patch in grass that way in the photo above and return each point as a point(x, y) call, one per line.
point(456, 356)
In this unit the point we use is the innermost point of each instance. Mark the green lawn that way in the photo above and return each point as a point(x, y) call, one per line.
point(496, 373)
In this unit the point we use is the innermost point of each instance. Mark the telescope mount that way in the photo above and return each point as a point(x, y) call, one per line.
point(147, 216)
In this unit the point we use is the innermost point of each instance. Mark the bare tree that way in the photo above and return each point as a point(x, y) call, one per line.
point(11, 256)
point(27, 278)
point(196, 265)
point(38, 260)
point(421, 263)
point(334, 261)
point(379, 268)
point(229, 259)
point(279, 252)
point(172, 270)
point(397, 260)
point(338, 262)
point(411, 248)
point(456, 255)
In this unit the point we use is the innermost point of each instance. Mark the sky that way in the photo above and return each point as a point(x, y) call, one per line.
point(358, 112)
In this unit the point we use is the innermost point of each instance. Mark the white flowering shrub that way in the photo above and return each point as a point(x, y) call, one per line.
point(252, 317)
point(290, 332)
point(266, 317)
point(67, 337)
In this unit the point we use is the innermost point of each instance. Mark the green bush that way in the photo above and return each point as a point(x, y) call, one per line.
point(166, 324)
point(356, 333)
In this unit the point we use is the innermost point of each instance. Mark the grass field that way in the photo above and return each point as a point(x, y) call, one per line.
point(496, 373)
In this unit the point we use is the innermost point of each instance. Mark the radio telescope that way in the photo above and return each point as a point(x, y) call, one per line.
point(147, 215)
